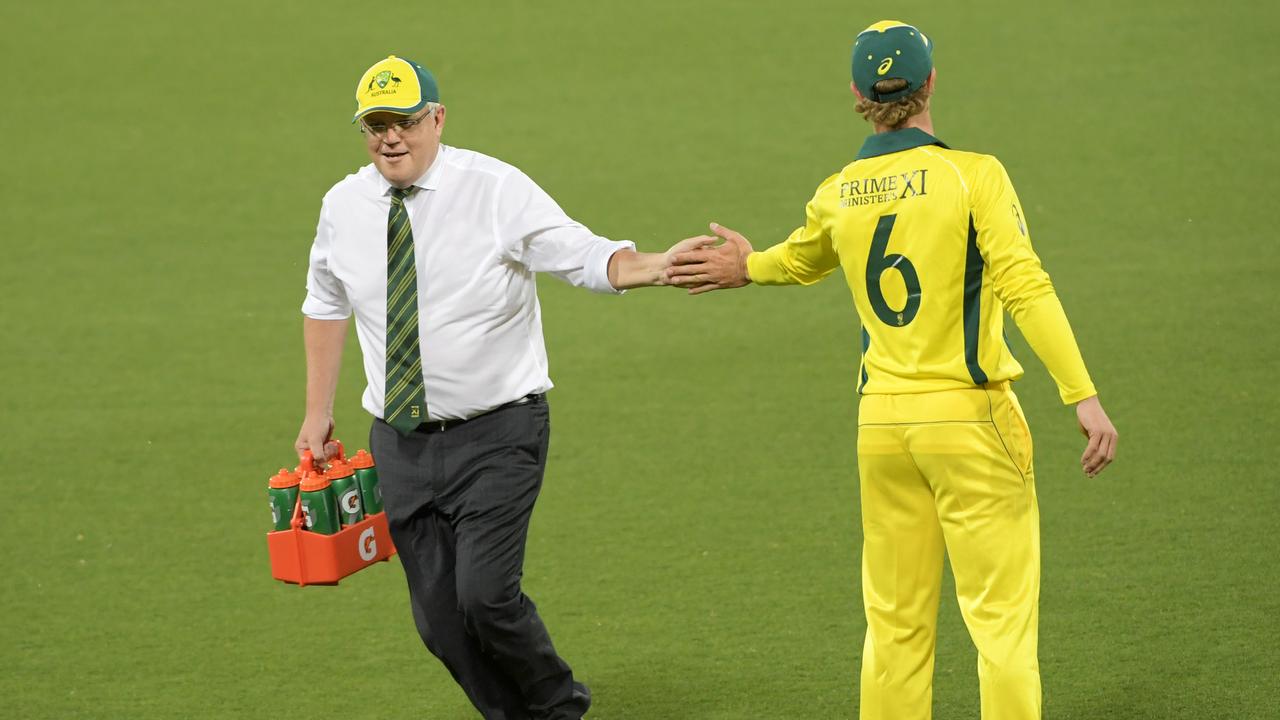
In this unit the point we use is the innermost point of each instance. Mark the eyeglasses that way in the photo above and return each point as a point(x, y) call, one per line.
point(379, 130)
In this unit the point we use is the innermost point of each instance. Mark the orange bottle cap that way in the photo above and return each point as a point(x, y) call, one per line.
point(339, 469)
point(312, 482)
point(306, 463)
point(362, 460)
point(284, 479)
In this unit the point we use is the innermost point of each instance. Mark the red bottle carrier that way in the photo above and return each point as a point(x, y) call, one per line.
point(308, 558)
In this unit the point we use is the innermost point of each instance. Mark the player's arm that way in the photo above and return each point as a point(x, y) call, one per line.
point(1025, 290)
point(1022, 285)
point(804, 258)
point(324, 331)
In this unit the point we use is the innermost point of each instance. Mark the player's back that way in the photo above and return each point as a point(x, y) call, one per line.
point(904, 222)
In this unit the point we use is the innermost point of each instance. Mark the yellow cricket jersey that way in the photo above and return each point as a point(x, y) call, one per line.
point(934, 245)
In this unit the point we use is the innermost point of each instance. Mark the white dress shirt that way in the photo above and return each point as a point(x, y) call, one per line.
point(481, 229)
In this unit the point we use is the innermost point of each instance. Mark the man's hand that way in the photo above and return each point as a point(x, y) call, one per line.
point(630, 269)
point(1102, 435)
point(712, 268)
point(701, 242)
point(314, 436)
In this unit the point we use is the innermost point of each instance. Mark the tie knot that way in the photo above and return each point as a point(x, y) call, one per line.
point(399, 194)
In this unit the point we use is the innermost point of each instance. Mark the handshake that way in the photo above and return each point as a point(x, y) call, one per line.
point(699, 264)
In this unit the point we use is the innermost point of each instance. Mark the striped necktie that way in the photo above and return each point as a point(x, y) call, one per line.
point(405, 402)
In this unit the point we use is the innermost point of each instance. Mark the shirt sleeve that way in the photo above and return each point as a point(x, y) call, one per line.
point(1022, 285)
point(533, 231)
point(804, 258)
point(326, 298)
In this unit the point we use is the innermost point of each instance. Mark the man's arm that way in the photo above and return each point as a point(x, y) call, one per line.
point(533, 231)
point(326, 311)
point(1024, 288)
point(630, 269)
point(324, 340)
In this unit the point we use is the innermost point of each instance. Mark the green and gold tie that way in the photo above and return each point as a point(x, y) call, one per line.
point(406, 400)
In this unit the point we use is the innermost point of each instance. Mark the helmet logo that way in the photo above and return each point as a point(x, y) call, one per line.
point(884, 66)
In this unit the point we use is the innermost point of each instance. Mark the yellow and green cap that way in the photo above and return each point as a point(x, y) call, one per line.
point(395, 85)
point(891, 49)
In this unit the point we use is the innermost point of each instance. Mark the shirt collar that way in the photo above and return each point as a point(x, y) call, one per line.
point(430, 180)
point(896, 141)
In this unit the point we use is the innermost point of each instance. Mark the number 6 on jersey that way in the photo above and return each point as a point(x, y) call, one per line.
point(877, 264)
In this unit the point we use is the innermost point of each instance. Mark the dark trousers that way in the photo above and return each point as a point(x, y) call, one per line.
point(458, 502)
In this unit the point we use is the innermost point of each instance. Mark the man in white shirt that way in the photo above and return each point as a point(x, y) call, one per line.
point(434, 249)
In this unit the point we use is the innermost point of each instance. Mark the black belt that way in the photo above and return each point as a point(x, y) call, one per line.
point(432, 426)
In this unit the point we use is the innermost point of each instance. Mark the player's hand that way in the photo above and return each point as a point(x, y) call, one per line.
point(1102, 435)
point(314, 436)
point(700, 242)
point(712, 268)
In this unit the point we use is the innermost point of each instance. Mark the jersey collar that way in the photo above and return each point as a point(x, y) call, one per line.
point(896, 141)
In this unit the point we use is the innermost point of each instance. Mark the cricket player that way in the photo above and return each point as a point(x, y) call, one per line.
point(935, 247)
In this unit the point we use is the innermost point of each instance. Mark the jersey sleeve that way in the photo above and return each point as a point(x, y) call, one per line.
point(804, 258)
point(1022, 285)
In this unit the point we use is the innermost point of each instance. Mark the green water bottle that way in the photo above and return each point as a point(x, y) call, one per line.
point(347, 491)
point(319, 504)
point(282, 489)
point(367, 476)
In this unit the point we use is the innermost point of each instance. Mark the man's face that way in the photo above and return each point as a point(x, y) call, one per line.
point(403, 154)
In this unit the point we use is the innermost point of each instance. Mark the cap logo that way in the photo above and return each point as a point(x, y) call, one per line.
point(381, 79)
point(884, 66)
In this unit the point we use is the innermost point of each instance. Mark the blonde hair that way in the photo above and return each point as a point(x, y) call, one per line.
point(894, 113)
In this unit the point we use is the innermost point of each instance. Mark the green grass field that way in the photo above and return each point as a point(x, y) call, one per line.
point(695, 549)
